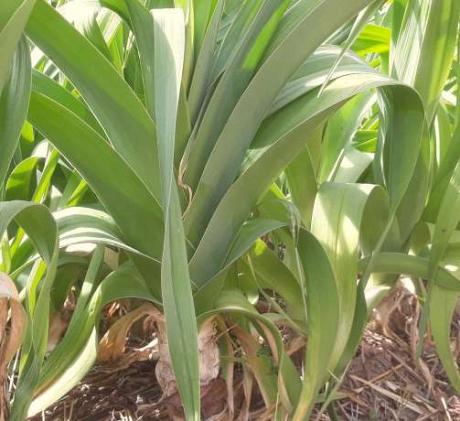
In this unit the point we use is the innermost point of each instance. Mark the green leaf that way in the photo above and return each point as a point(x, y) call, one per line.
point(176, 288)
point(201, 78)
point(339, 133)
point(75, 337)
point(14, 101)
point(373, 39)
point(143, 29)
point(241, 125)
point(51, 89)
point(400, 263)
point(273, 274)
point(249, 233)
point(126, 122)
point(13, 18)
point(73, 360)
point(355, 30)
point(231, 86)
point(448, 218)
point(20, 181)
point(234, 302)
point(301, 177)
point(70, 377)
point(445, 302)
point(339, 222)
point(114, 180)
point(202, 10)
point(323, 314)
point(428, 34)
point(38, 223)
point(287, 132)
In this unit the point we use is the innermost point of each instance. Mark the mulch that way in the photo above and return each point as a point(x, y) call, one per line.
point(382, 383)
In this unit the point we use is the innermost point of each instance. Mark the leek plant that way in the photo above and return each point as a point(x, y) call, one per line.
point(246, 166)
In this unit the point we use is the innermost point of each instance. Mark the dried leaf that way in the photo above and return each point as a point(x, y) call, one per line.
point(12, 329)
point(112, 345)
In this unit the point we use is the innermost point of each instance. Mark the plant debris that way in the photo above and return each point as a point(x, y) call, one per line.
point(382, 383)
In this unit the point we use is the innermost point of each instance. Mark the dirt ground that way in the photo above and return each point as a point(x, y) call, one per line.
point(382, 383)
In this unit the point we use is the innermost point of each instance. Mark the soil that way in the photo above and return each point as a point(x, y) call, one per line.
point(382, 383)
